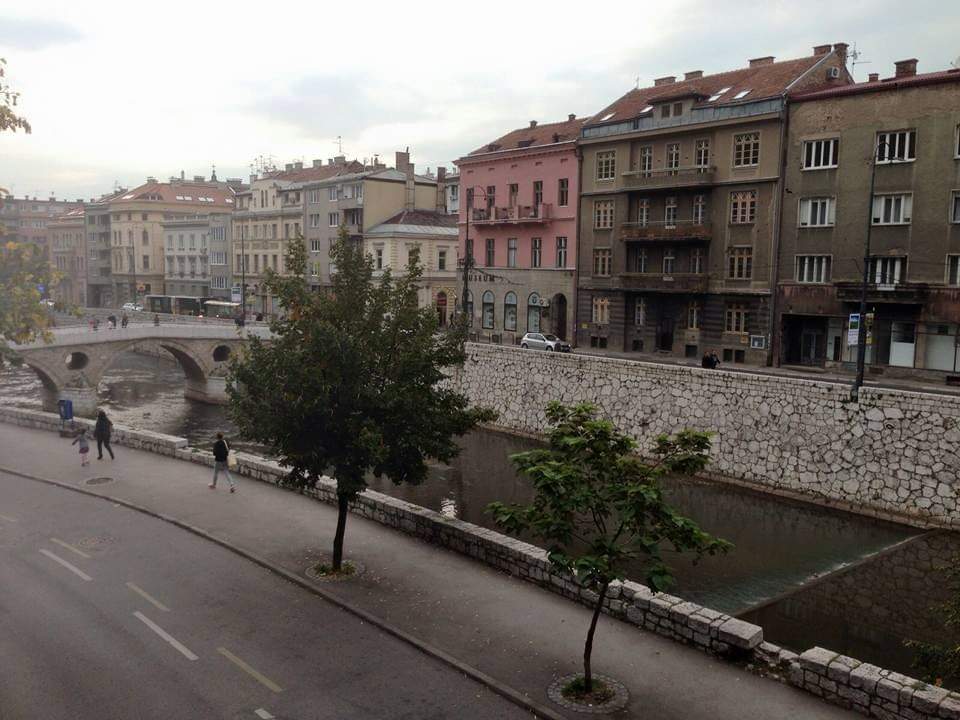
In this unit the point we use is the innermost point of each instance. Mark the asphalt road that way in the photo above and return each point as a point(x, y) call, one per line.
point(106, 613)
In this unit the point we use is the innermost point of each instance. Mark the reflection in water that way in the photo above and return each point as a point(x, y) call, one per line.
point(781, 546)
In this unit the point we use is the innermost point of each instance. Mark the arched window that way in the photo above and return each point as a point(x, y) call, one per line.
point(510, 311)
point(487, 310)
point(533, 313)
point(469, 308)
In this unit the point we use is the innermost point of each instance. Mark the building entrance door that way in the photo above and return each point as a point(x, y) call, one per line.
point(441, 308)
point(665, 334)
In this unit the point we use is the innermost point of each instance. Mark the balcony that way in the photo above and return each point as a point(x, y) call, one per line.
point(535, 214)
point(679, 231)
point(670, 178)
point(903, 292)
point(658, 282)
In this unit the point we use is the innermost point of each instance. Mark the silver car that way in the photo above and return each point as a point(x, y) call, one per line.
point(542, 341)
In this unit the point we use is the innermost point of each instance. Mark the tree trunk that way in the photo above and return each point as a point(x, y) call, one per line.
point(343, 503)
point(588, 647)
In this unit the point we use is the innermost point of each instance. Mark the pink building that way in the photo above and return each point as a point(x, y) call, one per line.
point(521, 191)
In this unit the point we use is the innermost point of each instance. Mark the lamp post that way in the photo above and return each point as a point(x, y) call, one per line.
point(468, 252)
point(862, 329)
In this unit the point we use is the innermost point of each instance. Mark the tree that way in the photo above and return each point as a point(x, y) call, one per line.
point(599, 507)
point(9, 119)
point(939, 662)
point(352, 381)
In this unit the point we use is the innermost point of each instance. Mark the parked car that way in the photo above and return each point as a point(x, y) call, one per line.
point(47, 302)
point(132, 307)
point(541, 341)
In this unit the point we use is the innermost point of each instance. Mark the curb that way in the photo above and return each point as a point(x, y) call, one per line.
point(505, 691)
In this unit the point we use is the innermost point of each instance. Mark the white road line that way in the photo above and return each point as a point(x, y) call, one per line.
point(70, 547)
point(148, 597)
point(263, 714)
point(72, 568)
point(180, 647)
point(265, 681)
point(8, 518)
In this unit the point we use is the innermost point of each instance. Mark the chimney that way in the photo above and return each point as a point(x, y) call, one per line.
point(533, 123)
point(693, 75)
point(873, 77)
point(571, 116)
point(288, 167)
point(253, 178)
point(402, 160)
point(317, 163)
point(329, 161)
point(765, 60)
point(441, 190)
point(841, 50)
point(298, 166)
point(441, 173)
point(340, 159)
point(906, 68)
point(668, 80)
point(198, 178)
point(151, 179)
point(821, 49)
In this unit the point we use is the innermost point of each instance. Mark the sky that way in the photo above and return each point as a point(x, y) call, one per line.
point(116, 92)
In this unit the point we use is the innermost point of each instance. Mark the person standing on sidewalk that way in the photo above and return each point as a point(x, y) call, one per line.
point(84, 444)
point(221, 462)
point(101, 433)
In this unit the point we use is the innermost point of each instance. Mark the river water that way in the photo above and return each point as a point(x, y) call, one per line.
point(809, 575)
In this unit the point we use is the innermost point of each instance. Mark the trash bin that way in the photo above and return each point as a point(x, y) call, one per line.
point(66, 409)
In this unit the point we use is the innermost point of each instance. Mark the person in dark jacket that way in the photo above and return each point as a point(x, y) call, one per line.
point(101, 433)
point(221, 455)
point(707, 361)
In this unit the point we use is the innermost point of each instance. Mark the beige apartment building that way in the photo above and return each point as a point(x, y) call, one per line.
point(904, 131)
point(68, 257)
point(679, 209)
point(137, 233)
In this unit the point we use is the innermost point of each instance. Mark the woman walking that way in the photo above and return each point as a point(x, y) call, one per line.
point(84, 444)
point(221, 456)
point(101, 432)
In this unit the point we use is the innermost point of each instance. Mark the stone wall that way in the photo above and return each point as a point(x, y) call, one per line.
point(894, 453)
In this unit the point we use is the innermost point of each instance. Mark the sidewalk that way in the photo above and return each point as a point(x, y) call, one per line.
point(513, 631)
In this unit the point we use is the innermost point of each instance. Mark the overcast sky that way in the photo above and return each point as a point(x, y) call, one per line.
point(119, 91)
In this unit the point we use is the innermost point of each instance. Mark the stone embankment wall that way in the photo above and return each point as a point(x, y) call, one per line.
point(894, 453)
point(838, 679)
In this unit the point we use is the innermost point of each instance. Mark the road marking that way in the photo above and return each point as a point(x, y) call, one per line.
point(8, 518)
point(148, 597)
point(180, 647)
point(267, 682)
point(262, 714)
point(72, 568)
point(70, 547)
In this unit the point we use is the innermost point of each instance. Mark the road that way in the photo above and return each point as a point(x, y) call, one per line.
point(107, 613)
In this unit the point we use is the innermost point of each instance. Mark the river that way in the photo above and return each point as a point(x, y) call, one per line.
point(809, 575)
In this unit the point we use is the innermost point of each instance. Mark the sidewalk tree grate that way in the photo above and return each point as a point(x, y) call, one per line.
point(619, 700)
point(313, 572)
point(98, 481)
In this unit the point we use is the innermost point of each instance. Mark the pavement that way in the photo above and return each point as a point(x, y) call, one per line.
point(518, 634)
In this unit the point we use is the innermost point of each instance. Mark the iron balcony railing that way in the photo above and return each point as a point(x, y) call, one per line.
point(665, 282)
point(676, 231)
point(513, 214)
point(670, 177)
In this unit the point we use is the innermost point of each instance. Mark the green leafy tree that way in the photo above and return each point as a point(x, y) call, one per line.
point(9, 98)
point(351, 382)
point(23, 268)
point(940, 662)
point(598, 507)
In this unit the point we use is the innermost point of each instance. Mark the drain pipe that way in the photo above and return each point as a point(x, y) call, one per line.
point(773, 358)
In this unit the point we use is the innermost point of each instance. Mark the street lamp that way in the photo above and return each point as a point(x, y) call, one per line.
point(468, 251)
point(862, 329)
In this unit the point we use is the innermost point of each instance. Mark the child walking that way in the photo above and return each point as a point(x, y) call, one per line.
point(84, 443)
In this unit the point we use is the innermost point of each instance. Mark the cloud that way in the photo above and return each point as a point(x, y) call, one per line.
point(32, 34)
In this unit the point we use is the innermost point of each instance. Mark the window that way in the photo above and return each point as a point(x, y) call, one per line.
point(180, 243)
point(563, 192)
point(601, 311)
point(716, 95)
point(892, 209)
point(735, 319)
point(146, 262)
point(740, 263)
point(218, 257)
point(441, 259)
point(955, 207)
point(218, 282)
point(193, 241)
point(645, 161)
point(953, 269)
point(332, 193)
point(636, 259)
point(603, 214)
point(313, 196)
point(702, 153)
point(510, 311)
point(333, 219)
point(699, 209)
point(315, 245)
point(469, 308)
point(315, 269)
point(820, 154)
point(643, 212)
point(511, 252)
point(746, 149)
point(696, 261)
point(513, 194)
point(145, 238)
point(491, 252)
point(537, 193)
point(535, 252)
point(601, 262)
point(169, 242)
point(896, 146)
point(665, 110)
point(673, 156)
point(315, 220)
point(743, 207)
point(887, 270)
point(606, 165)
point(378, 258)
point(533, 313)
point(813, 268)
point(817, 212)
point(640, 312)
point(956, 143)
point(669, 261)
point(486, 317)
point(677, 109)
point(670, 212)
point(693, 317)
point(561, 252)
point(491, 197)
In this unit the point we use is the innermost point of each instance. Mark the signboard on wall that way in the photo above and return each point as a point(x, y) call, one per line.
point(853, 329)
point(235, 294)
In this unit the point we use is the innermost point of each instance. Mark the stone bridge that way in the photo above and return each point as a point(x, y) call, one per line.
point(73, 363)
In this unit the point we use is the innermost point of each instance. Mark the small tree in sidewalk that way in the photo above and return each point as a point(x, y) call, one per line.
point(351, 382)
point(599, 507)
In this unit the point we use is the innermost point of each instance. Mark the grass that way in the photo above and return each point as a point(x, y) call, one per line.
point(575, 691)
point(325, 569)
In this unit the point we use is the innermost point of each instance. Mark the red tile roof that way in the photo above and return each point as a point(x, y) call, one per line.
point(547, 134)
point(763, 81)
point(190, 193)
point(893, 83)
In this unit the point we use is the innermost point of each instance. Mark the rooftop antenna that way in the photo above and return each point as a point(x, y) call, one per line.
point(638, 82)
point(855, 60)
point(339, 145)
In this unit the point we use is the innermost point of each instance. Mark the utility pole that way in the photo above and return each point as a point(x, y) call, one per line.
point(468, 254)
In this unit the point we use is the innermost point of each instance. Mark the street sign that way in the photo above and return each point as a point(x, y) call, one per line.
point(235, 294)
point(853, 329)
point(41, 289)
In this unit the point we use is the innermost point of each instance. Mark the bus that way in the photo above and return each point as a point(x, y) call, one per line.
point(220, 308)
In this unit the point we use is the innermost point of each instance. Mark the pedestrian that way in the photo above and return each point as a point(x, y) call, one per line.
point(96, 324)
point(84, 444)
point(156, 320)
point(101, 433)
point(112, 319)
point(221, 462)
point(714, 360)
point(707, 360)
point(124, 320)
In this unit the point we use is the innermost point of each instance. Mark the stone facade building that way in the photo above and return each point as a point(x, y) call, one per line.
point(68, 257)
point(187, 255)
point(905, 131)
point(519, 206)
point(678, 209)
point(99, 251)
point(26, 219)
